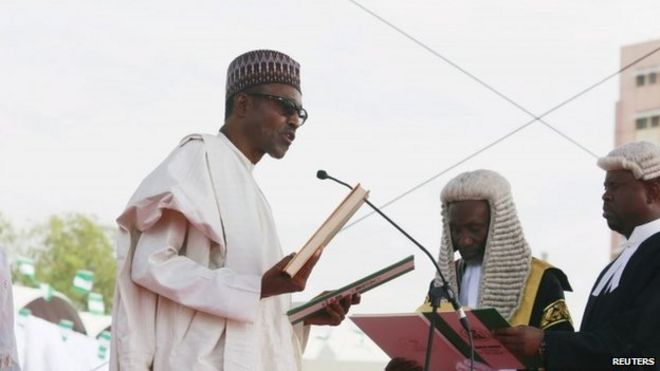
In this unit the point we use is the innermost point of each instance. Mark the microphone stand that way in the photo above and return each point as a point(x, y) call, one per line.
point(437, 290)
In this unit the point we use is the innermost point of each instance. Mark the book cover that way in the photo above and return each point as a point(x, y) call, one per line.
point(405, 335)
point(342, 213)
point(360, 286)
point(487, 348)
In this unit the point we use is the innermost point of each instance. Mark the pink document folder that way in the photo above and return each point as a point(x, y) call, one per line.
point(405, 335)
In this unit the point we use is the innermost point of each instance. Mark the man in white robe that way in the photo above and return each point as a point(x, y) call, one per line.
point(200, 283)
point(8, 355)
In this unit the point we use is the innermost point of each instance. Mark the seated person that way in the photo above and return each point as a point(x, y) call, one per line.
point(496, 268)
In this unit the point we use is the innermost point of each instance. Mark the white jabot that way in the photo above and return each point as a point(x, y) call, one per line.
point(469, 290)
point(610, 280)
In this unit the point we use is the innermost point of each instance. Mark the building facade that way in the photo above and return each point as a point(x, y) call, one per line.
point(638, 108)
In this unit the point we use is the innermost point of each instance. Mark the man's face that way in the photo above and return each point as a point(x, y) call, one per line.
point(624, 201)
point(469, 222)
point(270, 126)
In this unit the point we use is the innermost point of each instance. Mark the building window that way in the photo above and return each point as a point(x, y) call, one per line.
point(655, 121)
point(641, 123)
point(640, 80)
point(652, 77)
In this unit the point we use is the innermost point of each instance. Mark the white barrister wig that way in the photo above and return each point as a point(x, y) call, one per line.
point(507, 257)
point(642, 159)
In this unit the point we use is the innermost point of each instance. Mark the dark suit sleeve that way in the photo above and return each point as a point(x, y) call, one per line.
point(550, 312)
point(634, 332)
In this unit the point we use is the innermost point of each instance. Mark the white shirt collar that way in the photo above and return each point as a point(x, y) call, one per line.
point(642, 232)
point(246, 161)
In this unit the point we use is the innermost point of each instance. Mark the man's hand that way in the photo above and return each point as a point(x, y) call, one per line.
point(521, 340)
point(276, 282)
point(334, 313)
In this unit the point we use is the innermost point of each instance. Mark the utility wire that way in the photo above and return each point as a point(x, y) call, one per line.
point(495, 91)
point(472, 76)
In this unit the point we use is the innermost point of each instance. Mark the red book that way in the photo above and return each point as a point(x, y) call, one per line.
point(405, 335)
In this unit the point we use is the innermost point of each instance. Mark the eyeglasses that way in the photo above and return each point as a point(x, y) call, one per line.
point(289, 107)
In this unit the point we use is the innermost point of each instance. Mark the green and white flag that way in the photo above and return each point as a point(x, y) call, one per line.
point(46, 291)
point(26, 266)
point(83, 281)
point(104, 337)
point(66, 327)
point(104, 344)
point(23, 315)
point(95, 303)
point(102, 352)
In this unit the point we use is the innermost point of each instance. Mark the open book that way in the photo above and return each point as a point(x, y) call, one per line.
point(328, 229)
point(405, 335)
point(362, 285)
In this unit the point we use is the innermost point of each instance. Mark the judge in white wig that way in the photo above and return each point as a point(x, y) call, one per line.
point(620, 325)
point(496, 268)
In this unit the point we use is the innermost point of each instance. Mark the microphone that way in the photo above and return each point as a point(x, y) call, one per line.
point(442, 284)
point(437, 289)
point(322, 174)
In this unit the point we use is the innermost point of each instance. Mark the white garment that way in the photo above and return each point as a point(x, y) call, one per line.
point(469, 296)
point(610, 280)
point(44, 346)
point(196, 237)
point(8, 354)
point(470, 283)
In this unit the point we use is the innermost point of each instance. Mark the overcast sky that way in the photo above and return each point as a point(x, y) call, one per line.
point(93, 95)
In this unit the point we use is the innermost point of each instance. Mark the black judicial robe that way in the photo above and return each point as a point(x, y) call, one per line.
point(622, 323)
point(549, 311)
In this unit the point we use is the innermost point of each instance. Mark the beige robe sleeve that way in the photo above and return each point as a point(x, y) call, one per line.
point(158, 267)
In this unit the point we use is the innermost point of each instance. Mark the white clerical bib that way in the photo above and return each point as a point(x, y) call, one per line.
point(610, 280)
point(469, 291)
